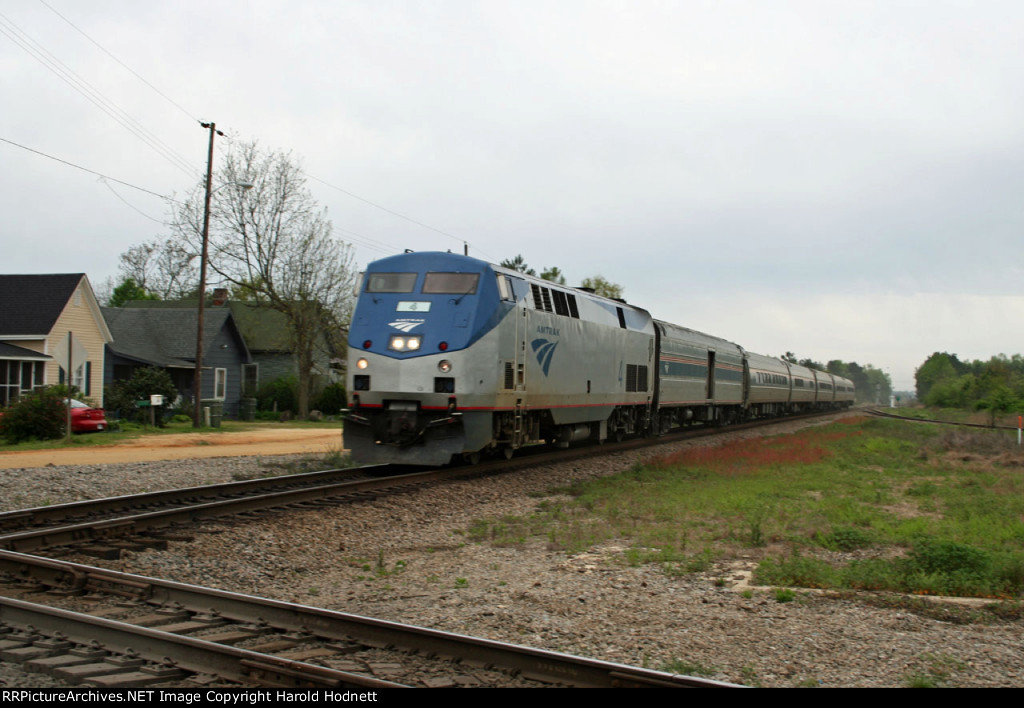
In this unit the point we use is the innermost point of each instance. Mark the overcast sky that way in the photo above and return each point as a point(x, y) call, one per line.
point(843, 180)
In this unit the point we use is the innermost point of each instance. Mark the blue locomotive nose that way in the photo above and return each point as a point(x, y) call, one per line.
point(423, 303)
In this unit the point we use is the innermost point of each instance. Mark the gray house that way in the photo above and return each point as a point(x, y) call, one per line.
point(268, 339)
point(166, 338)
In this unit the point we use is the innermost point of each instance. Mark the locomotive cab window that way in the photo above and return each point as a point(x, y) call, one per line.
point(504, 288)
point(450, 283)
point(391, 282)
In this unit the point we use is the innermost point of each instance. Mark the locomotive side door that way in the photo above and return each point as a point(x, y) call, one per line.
point(517, 291)
point(522, 326)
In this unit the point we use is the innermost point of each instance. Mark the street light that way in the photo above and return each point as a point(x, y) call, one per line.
point(197, 378)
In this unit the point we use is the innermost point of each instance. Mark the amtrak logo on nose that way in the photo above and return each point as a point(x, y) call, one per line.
point(406, 325)
point(544, 350)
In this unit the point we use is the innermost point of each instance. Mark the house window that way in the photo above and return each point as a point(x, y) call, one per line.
point(220, 383)
point(80, 379)
point(9, 382)
point(19, 377)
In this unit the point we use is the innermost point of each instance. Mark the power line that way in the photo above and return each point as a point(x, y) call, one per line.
point(134, 126)
point(86, 169)
point(106, 183)
point(367, 242)
point(394, 213)
point(383, 208)
point(125, 66)
point(66, 74)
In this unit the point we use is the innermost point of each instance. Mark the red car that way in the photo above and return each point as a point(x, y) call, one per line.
point(85, 419)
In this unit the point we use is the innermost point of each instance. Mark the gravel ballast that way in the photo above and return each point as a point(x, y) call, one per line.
point(409, 558)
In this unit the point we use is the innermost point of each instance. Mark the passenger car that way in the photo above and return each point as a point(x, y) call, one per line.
point(86, 419)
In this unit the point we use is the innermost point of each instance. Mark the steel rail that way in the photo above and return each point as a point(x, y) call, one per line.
point(40, 515)
point(104, 530)
point(535, 664)
point(883, 414)
point(167, 651)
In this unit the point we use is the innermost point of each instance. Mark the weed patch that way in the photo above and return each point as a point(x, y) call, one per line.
point(853, 505)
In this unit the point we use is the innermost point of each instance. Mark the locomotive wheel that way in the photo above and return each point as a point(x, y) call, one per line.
point(508, 452)
point(472, 458)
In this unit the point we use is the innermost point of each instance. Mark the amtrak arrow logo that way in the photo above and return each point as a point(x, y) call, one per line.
point(406, 325)
point(544, 350)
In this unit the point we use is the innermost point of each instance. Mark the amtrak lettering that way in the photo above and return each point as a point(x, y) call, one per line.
point(552, 331)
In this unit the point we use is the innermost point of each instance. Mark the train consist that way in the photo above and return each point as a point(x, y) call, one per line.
point(452, 356)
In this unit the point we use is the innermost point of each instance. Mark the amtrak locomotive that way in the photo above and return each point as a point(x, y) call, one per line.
point(452, 356)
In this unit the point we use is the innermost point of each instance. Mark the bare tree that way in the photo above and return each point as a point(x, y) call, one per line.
point(168, 268)
point(274, 241)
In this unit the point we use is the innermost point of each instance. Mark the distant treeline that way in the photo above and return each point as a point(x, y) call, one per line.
point(996, 385)
point(872, 385)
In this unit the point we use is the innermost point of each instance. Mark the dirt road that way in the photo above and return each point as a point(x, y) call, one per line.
point(186, 445)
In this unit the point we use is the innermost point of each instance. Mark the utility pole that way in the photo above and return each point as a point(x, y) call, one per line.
point(197, 379)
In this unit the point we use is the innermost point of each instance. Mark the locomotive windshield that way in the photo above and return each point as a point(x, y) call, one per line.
point(450, 283)
point(391, 282)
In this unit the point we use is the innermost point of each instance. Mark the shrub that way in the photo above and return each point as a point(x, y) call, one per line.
point(332, 399)
point(282, 391)
point(40, 414)
point(120, 397)
point(846, 539)
point(947, 557)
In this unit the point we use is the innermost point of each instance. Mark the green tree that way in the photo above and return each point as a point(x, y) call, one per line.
point(518, 264)
point(602, 286)
point(877, 385)
point(553, 274)
point(937, 368)
point(999, 400)
point(129, 290)
point(812, 364)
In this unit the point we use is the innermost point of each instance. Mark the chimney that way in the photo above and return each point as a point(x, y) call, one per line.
point(220, 297)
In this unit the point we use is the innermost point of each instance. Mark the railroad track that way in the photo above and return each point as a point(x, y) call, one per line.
point(143, 631)
point(883, 414)
point(112, 507)
point(105, 527)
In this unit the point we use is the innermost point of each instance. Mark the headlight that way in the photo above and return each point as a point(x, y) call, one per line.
point(402, 343)
point(362, 364)
point(444, 366)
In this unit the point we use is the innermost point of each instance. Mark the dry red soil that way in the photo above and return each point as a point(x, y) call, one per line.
point(183, 446)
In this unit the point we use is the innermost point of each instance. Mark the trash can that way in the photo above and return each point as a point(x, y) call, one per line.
point(247, 409)
point(216, 407)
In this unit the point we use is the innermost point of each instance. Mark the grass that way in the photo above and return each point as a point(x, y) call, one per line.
point(933, 671)
point(687, 668)
point(858, 504)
